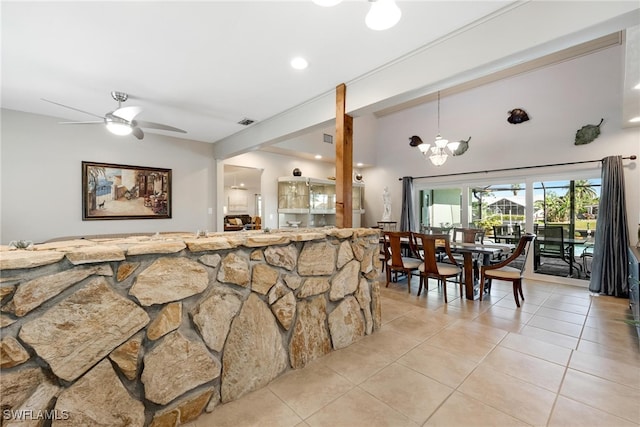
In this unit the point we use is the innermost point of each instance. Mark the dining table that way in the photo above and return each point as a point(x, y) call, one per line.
point(487, 250)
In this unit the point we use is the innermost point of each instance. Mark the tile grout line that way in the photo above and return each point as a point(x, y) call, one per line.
point(555, 400)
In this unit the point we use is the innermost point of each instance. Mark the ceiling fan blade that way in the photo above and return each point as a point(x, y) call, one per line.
point(92, 122)
point(72, 108)
point(137, 132)
point(127, 113)
point(152, 125)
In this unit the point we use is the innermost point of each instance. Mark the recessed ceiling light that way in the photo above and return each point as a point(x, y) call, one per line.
point(635, 120)
point(359, 164)
point(637, 86)
point(318, 156)
point(299, 63)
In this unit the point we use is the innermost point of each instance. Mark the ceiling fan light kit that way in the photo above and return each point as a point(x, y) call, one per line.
point(116, 125)
point(382, 15)
point(327, 3)
point(121, 121)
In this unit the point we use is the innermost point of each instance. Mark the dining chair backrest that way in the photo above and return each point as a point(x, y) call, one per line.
point(468, 235)
point(522, 249)
point(517, 230)
point(506, 230)
point(432, 230)
point(387, 225)
point(432, 244)
point(393, 245)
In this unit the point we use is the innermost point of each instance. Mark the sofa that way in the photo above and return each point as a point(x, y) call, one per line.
point(236, 222)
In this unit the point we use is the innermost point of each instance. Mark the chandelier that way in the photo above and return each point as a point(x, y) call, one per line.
point(437, 153)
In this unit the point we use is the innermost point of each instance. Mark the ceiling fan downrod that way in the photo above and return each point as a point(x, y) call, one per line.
point(120, 97)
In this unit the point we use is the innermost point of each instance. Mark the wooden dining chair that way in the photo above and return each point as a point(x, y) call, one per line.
point(432, 244)
point(469, 235)
point(395, 244)
point(503, 271)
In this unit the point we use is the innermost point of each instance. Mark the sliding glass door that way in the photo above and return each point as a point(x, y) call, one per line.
point(499, 207)
point(508, 207)
point(565, 215)
point(440, 207)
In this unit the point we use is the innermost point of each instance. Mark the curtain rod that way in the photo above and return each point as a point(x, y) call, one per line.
point(632, 157)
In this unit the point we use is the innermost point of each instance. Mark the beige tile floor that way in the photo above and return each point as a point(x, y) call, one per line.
point(565, 358)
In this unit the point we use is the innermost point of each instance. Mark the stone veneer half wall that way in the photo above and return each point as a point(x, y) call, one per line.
point(155, 330)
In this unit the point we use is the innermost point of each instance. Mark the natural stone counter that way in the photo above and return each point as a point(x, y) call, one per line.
point(154, 330)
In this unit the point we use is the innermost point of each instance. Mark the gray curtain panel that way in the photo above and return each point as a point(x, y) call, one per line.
point(407, 220)
point(609, 268)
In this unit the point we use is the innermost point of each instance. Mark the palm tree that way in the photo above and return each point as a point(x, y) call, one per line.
point(553, 207)
point(584, 191)
point(93, 176)
point(584, 195)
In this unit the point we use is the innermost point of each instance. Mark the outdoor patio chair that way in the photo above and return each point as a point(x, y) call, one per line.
point(551, 244)
point(512, 230)
point(587, 254)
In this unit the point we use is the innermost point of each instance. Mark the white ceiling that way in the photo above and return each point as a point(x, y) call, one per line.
point(203, 66)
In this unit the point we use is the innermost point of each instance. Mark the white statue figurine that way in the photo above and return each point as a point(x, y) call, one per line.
point(386, 199)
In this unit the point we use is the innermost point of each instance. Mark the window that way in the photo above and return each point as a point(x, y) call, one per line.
point(498, 204)
point(440, 207)
point(572, 204)
point(568, 199)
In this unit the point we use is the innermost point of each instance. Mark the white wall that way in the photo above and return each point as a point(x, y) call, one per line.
point(41, 178)
point(363, 141)
point(559, 99)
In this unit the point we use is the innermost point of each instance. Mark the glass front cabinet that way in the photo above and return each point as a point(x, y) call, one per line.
point(311, 202)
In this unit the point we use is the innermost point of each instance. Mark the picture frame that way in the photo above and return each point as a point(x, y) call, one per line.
point(113, 191)
point(237, 201)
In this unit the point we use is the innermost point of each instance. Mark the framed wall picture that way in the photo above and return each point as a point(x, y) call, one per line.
point(111, 191)
point(238, 200)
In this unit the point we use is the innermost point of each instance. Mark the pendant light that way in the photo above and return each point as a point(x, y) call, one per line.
point(437, 154)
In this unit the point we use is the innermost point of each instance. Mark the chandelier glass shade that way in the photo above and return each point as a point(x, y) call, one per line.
point(437, 154)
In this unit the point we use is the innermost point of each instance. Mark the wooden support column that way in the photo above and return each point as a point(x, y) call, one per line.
point(344, 160)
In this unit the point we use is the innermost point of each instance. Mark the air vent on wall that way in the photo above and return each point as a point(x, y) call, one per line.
point(246, 122)
point(327, 138)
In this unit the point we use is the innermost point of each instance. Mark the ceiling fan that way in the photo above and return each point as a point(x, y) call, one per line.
point(120, 121)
